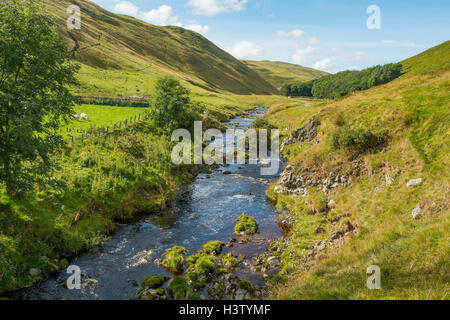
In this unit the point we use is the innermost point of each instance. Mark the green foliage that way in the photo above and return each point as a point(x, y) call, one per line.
point(358, 140)
point(342, 83)
point(229, 261)
point(180, 289)
point(213, 247)
point(34, 98)
point(171, 107)
point(174, 260)
point(298, 89)
point(246, 225)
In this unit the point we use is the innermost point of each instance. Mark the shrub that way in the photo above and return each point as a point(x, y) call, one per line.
point(358, 140)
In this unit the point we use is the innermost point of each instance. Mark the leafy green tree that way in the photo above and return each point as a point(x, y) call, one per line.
point(34, 99)
point(171, 106)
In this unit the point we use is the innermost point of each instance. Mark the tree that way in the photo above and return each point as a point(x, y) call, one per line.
point(171, 107)
point(34, 99)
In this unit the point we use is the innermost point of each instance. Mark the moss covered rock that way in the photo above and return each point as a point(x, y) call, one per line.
point(180, 289)
point(174, 260)
point(246, 225)
point(154, 282)
point(213, 247)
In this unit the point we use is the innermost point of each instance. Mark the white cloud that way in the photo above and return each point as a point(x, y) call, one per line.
point(246, 50)
point(161, 16)
point(126, 7)
point(214, 7)
point(301, 54)
point(313, 41)
point(360, 55)
point(296, 33)
point(198, 28)
point(325, 65)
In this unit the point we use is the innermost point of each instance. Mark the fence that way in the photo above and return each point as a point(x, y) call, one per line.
point(94, 131)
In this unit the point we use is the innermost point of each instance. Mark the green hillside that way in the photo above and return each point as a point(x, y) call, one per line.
point(389, 207)
point(280, 73)
point(433, 59)
point(117, 43)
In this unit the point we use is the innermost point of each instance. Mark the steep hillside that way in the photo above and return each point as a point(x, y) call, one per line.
point(280, 73)
point(111, 42)
point(433, 59)
point(368, 185)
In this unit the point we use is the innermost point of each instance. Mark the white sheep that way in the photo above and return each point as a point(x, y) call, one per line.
point(76, 116)
point(84, 116)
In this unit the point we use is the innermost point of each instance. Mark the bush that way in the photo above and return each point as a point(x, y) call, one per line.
point(359, 140)
point(171, 107)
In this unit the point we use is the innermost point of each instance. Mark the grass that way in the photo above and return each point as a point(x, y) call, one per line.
point(102, 116)
point(413, 254)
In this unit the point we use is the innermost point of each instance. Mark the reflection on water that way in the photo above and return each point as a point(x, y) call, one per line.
point(204, 210)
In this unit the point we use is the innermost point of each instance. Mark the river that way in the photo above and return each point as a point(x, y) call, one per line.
point(204, 210)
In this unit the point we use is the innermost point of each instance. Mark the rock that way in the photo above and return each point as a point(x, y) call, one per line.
point(34, 272)
point(226, 172)
point(414, 182)
point(306, 133)
point(331, 204)
point(389, 180)
point(416, 212)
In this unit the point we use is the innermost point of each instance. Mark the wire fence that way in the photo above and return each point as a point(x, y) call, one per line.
point(80, 135)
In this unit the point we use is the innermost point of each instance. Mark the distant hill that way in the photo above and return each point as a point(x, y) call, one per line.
point(110, 41)
point(280, 73)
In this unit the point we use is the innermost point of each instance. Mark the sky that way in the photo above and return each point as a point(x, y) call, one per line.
point(328, 35)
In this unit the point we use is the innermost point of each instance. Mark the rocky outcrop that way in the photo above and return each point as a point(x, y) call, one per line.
point(296, 181)
point(306, 133)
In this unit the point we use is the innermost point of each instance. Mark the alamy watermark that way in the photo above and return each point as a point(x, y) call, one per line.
point(228, 148)
point(74, 21)
point(374, 20)
point(74, 281)
point(374, 279)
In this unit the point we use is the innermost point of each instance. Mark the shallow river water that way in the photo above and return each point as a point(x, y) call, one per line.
point(204, 210)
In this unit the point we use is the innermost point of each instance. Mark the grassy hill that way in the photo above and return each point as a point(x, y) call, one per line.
point(280, 73)
point(132, 54)
point(371, 216)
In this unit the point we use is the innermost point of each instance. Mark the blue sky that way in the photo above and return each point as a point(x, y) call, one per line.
point(329, 35)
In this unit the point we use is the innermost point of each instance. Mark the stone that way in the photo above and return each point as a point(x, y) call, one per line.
point(414, 182)
point(389, 181)
point(416, 212)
